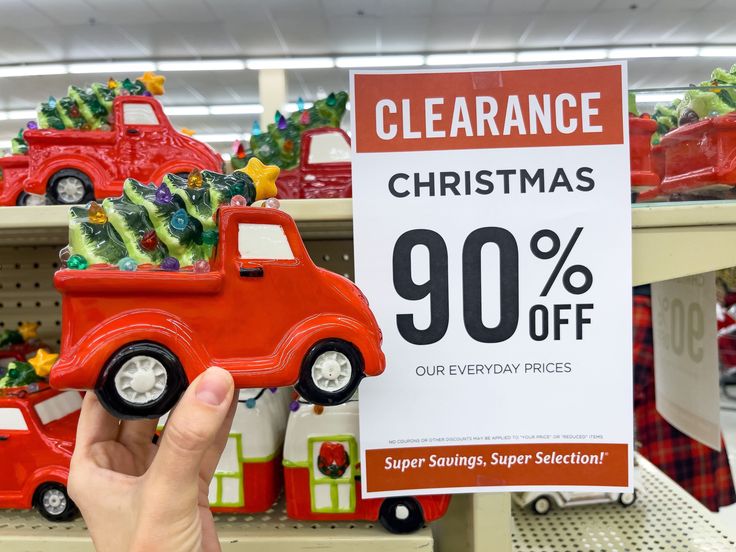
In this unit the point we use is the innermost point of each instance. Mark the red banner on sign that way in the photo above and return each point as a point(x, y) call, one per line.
point(568, 106)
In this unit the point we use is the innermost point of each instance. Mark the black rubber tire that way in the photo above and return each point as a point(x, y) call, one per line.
point(413, 522)
point(541, 500)
point(176, 382)
point(309, 390)
point(70, 512)
point(52, 192)
point(623, 502)
point(22, 199)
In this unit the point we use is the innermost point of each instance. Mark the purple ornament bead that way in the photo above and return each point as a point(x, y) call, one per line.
point(273, 389)
point(163, 194)
point(282, 123)
point(147, 93)
point(170, 264)
point(294, 406)
point(31, 125)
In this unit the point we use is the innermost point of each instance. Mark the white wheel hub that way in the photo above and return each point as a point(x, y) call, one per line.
point(542, 506)
point(141, 380)
point(401, 512)
point(331, 371)
point(54, 501)
point(34, 199)
point(628, 499)
point(70, 189)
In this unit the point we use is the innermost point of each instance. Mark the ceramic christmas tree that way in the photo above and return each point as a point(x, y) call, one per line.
point(280, 143)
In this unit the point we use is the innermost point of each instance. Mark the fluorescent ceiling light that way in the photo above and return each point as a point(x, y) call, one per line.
point(291, 63)
point(20, 114)
point(291, 106)
point(560, 55)
point(471, 59)
point(215, 138)
point(186, 110)
point(718, 51)
point(33, 70)
point(201, 65)
point(238, 109)
point(655, 52)
point(112, 67)
point(379, 61)
point(653, 97)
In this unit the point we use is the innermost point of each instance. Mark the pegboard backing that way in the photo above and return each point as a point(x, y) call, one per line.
point(663, 519)
point(27, 291)
point(21, 531)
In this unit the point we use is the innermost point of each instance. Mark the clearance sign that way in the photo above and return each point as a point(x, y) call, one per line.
point(492, 238)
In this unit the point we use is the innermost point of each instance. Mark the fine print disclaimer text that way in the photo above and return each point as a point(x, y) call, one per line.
point(482, 369)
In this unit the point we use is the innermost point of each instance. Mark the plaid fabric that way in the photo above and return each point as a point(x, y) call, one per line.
point(701, 471)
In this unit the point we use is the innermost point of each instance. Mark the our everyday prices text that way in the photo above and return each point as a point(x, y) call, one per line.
point(491, 220)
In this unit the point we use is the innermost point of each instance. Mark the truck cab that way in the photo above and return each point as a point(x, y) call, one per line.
point(264, 311)
point(37, 430)
point(76, 166)
point(13, 174)
point(324, 167)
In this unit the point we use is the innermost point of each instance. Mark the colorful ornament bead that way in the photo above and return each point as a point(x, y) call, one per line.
point(209, 237)
point(201, 266)
point(713, 114)
point(272, 203)
point(163, 194)
point(273, 389)
point(33, 387)
point(194, 180)
point(282, 123)
point(288, 146)
point(250, 403)
point(299, 103)
point(96, 214)
point(277, 117)
point(305, 118)
point(31, 125)
point(179, 220)
point(52, 102)
point(255, 130)
point(64, 254)
point(239, 201)
point(331, 100)
point(77, 262)
point(112, 83)
point(294, 406)
point(318, 409)
point(170, 264)
point(127, 264)
point(149, 241)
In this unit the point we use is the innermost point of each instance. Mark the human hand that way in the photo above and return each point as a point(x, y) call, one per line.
point(135, 495)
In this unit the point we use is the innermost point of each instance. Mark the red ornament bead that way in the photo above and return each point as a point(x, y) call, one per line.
point(149, 241)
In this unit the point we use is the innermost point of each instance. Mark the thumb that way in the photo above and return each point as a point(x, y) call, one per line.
point(192, 429)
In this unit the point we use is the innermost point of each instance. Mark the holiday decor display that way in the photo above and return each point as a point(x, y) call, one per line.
point(280, 144)
point(18, 144)
point(37, 430)
point(204, 262)
point(543, 502)
point(322, 473)
point(19, 344)
point(644, 178)
point(13, 173)
point(86, 143)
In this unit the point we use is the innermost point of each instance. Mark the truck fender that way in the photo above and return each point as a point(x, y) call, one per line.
point(160, 327)
point(303, 336)
point(39, 182)
point(47, 474)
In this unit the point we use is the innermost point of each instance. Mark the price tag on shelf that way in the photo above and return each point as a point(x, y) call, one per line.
point(686, 356)
point(492, 237)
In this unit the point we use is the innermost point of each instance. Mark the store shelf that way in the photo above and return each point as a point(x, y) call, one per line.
point(21, 531)
point(669, 240)
point(663, 519)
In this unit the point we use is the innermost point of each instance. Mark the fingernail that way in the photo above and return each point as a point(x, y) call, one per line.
point(214, 386)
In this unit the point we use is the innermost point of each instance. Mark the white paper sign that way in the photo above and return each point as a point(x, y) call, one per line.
point(492, 237)
point(686, 356)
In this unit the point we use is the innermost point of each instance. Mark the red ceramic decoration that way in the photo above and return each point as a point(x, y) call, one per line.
point(75, 166)
point(36, 441)
point(324, 167)
point(701, 156)
point(644, 178)
point(264, 311)
point(322, 474)
point(14, 173)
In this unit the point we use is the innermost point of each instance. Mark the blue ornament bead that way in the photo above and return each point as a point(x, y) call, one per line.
point(250, 403)
point(179, 220)
point(127, 264)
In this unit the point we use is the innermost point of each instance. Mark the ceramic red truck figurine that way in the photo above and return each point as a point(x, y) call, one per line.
point(14, 173)
point(324, 167)
point(37, 428)
point(75, 166)
point(260, 308)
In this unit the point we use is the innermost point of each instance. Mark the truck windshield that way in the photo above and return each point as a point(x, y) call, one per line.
point(139, 114)
point(59, 406)
point(263, 241)
point(330, 147)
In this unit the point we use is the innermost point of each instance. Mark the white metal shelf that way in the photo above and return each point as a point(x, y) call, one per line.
point(663, 519)
point(669, 240)
point(21, 531)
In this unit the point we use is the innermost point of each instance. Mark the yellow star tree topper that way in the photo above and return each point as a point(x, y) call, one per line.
point(42, 362)
point(154, 83)
point(263, 176)
point(28, 330)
